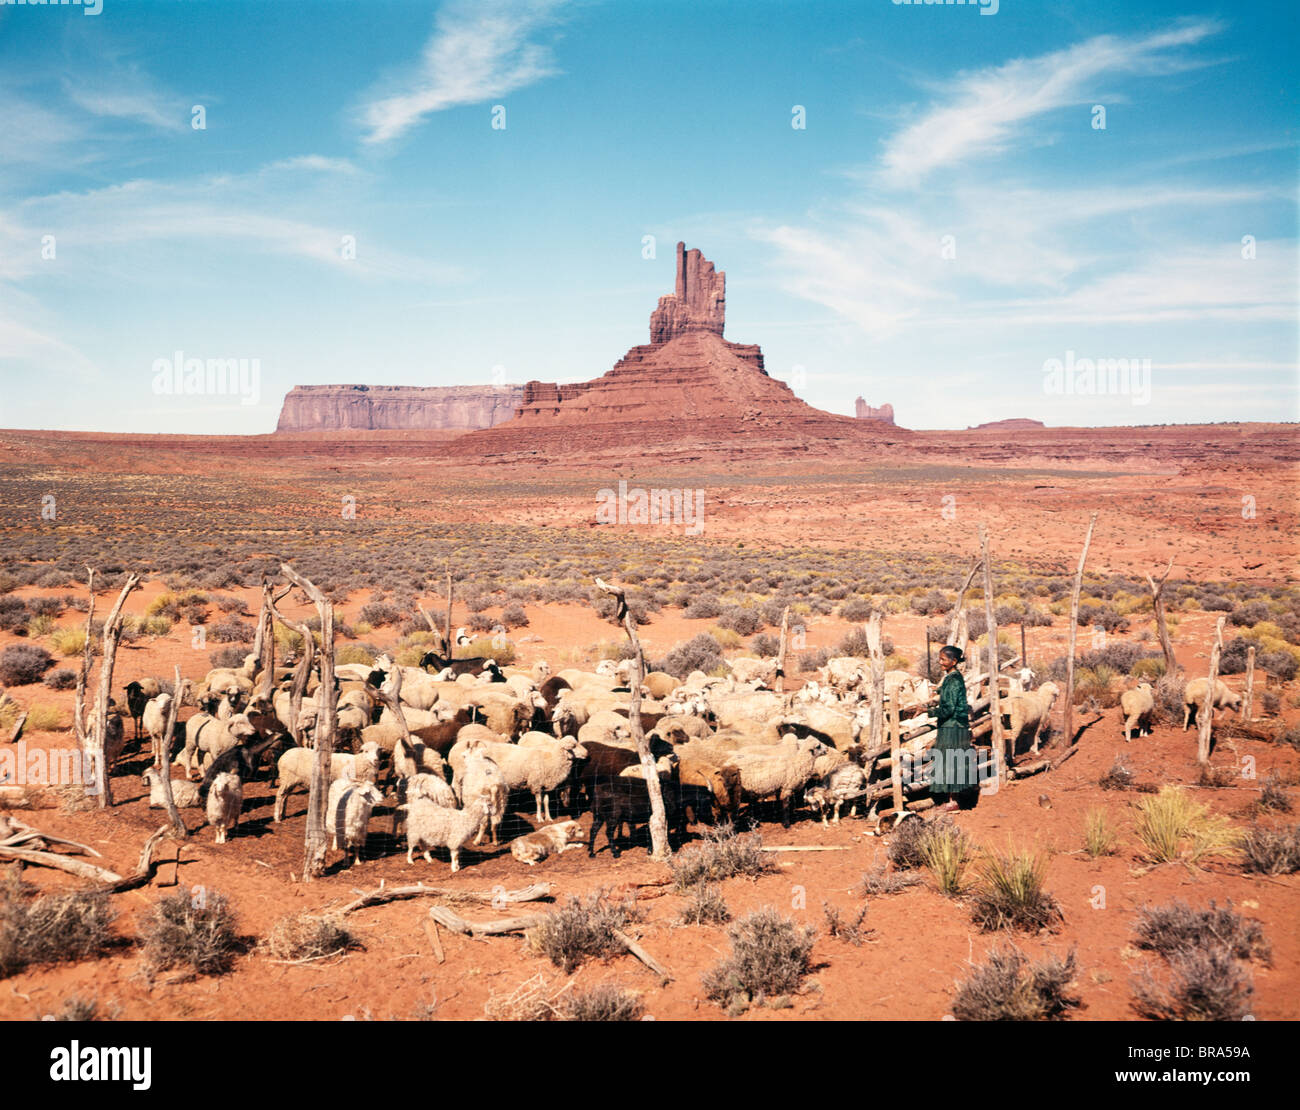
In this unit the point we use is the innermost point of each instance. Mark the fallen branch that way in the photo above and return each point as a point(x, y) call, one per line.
point(640, 953)
point(804, 847)
point(62, 863)
point(18, 728)
point(532, 893)
point(450, 919)
point(144, 869)
point(431, 931)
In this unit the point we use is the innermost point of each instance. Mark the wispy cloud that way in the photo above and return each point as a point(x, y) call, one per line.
point(982, 111)
point(479, 50)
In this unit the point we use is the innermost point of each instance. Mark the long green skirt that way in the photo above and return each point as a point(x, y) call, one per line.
point(953, 760)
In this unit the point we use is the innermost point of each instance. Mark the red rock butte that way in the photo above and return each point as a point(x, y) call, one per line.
point(687, 383)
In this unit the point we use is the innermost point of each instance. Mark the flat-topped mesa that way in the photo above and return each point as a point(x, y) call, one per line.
point(371, 407)
point(698, 304)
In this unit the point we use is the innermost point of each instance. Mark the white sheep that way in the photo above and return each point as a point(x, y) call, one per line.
point(1194, 699)
point(295, 767)
point(779, 769)
point(225, 800)
point(536, 767)
point(154, 719)
point(1137, 705)
point(747, 669)
point(434, 826)
point(481, 779)
point(348, 810)
point(206, 738)
point(845, 783)
point(184, 793)
point(433, 789)
point(413, 757)
point(535, 846)
point(1030, 711)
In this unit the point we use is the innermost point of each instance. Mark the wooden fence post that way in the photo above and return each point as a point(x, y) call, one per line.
point(169, 802)
point(1001, 758)
point(1158, 604)
point(781, 650)
point(1248, 701)
point(1074, 631)
point(1207, 710)
point(112, 632)
point(874, 647)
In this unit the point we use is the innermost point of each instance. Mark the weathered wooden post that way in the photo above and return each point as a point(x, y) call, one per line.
point(169, 725)
point(302, 673)
point(895, 755)
point(112, 632)
point(1001, 758)
point(326, 703)
point(956, 624)
point(875, 650)
point(1207, 710)
point(451, 644)
point(780, 653)
point(1074, 631)
point(1024, 654)
point(929, 672)
point(1248, 701)
point(660, 848)
point(1158, 604)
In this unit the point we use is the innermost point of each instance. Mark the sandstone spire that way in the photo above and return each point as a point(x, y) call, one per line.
point(699, 303)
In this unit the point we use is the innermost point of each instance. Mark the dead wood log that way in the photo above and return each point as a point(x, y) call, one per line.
point(17, 732)
point(169, 725)
point(535, 892)
point(1248, 698)
point(99, 742)
point(450, 919)
point(431, 931)
point(640, 953)
point(62, 863)
point(954, 622)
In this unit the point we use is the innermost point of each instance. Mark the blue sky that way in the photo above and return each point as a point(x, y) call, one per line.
point(516, 253)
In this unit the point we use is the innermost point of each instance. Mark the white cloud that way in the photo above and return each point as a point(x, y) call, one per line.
point(983, 111)
point(479, 50)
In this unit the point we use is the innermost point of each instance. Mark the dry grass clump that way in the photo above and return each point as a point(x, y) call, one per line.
point(769, 958)
point(1205, 984)
point(307, 936)
point(197, 931)
point(1272, 851)
point(53, 928)
point(1273, 796)
point(706, 906)
point(532, 1000)
point(1216, 778)
point(721, 853)
point(1174, 826)
point(1099, 835)
point(1119, 777)
point(852, 931)
point(1176, 927)
point(906, 845)
point(880, 881)
point(1010, 894)
point(78, 1007)
point(1011, 988)
point(606, 1002)
point(947, 853)
point(583, 927)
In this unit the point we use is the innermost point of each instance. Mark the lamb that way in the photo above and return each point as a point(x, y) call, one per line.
point(536, 846)
point(781, 769)
point(295, 771)
point(154, 718)
point(845, 673)
point(536, 768)
point(138, 695)
point(1194, 698)
point(434, 826)
point(348, 812)
point(481, 778)
point(705, 785)
point(660, 683)
point(846, 783)
point(225, 800)
point(1029, 712)
point(1138, 705)
point(184, 793)
point(747, 669)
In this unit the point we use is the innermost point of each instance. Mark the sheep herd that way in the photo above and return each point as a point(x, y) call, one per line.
point(449, 749)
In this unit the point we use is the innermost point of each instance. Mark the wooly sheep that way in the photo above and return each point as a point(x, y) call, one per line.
point(536, 846)
point(780, 769)
point(746, 669)
point(707, 789)
point(416, 758)
point(1029, 712)
point(1137, 705)
point(138, 695)
point(660, 683)
point(225, 799)
point(348, 810)
point(296, 764)
point(184, 793)
point(480, 778)
point(206, 738)
point(1194, 698)
point(537, 768)
point(154, 718)
point(114, 735)
point(846, 783)
point(434, 826)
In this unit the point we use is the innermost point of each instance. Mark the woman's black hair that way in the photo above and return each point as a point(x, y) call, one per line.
point(953, 652)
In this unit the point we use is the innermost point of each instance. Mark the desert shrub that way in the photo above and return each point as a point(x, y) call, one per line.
point(1280, 664)
point(77, 1007)
point(706, 607)
point(45, 718)
point(514, 616)
point(306, 936)
point(1010, 893)
point(1176, 927)
point(1273, 796)
point(725, 637)
point(880, 881)
point(1250, 614)
point(229, 603)
point(380, 613)
point(1206, 984)
point(930, 604)
point(23, 664)
point(855, 644)
point(228, 657)
point(69, 642)
point(1105, 616)
point(233, 631)
point(765, 645)
point(42, 625)
point(54, 928)
point(1149, 669)
point(1119, 777)
point(946, 853)
point(61, 679)
point(810, 661)
point(191, 605)
point(583, 927)
point(852, 931)
point(1011, 988)
point(704, 906)
point(194, 931)
point(1172, 826)
point(908, 842)
point(1272, 851)
point(740, 620)
point(769, 958)
point(481, 622)
point(720, 853)
point(14, 614)
point(605, 1002)
point(700, 653)
point(1098, 833)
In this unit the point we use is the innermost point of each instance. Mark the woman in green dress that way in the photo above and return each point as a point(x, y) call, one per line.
point(953, 753)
